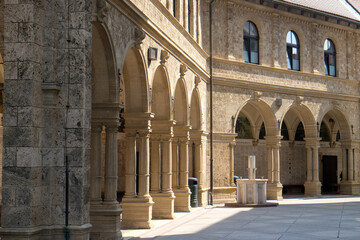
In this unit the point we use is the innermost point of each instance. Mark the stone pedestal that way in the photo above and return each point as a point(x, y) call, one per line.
point(164, 204)
point(274, 191)
point(182, 200)
point(312, 189)
point(350, 188)
point(106, 222)
point(251, 191)
point(137, 213)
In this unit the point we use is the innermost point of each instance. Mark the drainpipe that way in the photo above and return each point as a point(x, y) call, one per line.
point(211, 107)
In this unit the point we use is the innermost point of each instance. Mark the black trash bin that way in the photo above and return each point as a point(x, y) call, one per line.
point(235, 178)
point(193, 185)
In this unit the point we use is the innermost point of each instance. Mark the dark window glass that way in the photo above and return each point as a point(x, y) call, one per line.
point(293, 51)
point(329, 58)
point(262, 132)
point(243, 127)
point(189, 16)
point(324, 133)
point(251, 43)
point(284, 131)
point(338, 136)
point(300, 132)
point(174, 8)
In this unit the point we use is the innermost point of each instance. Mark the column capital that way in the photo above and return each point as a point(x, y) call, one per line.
point(113, 128)
point(96, 128)
point(274, 141)
point(312, 142)
point(144, 132)
point(350, 143)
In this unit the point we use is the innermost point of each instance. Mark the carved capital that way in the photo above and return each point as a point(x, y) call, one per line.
point(139, 36)
point(197, 81)
point(299, 100)
point(102, 9)
point(164, 56)
point(183, 70)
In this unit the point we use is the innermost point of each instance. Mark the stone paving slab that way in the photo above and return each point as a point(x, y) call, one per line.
point(324, 218)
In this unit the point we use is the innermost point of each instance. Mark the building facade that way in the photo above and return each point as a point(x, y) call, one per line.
point(115, 94)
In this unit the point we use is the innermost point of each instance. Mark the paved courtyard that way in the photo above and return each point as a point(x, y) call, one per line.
point(297, 218)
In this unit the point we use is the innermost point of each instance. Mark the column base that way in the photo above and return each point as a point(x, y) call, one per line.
point(106, 221)
point(312, 189)
point(163, 205)
point(274, 191)
point(137, 212)
point(182, 200)
point(54, 232)
point(203, 197)
point(351, 188)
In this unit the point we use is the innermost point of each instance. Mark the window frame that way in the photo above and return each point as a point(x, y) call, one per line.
point(248, 39)
point(290, 48)
point(327, 54)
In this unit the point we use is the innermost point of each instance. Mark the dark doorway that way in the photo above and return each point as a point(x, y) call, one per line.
point(329, 183)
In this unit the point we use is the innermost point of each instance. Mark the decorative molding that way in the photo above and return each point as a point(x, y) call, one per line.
point(299, 100)
point(257, 95)
point(183, 70)
point(197, 81)
point(139, 36)
point(164, 56)
point(102, 9)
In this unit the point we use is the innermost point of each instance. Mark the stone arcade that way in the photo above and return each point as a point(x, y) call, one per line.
point(120, 90)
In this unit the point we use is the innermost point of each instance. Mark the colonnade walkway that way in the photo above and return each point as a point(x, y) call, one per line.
point(329, 217)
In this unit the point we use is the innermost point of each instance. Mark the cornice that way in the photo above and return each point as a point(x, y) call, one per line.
point(142, 21)
point(282, 70)
point(232, 82)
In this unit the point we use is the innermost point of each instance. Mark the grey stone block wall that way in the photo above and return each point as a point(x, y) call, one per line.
point(46, 111)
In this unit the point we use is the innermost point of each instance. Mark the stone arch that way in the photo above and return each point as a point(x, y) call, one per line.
point(256, 109)
point(181, 104)
point(195, 110)
point(302, 113)
point(341, 122)
point(104, 78)
point(160, 97)
point(135, 82)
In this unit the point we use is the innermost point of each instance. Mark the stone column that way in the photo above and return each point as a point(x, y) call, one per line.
point(313, 186)
point(350, 169)
point(175, 163)
point(270, 163)
point(137, 207)
point(130, 164)
point(349, 183)
point(155, 164)
point(231, 145)
point(182, 200)
point(144, 164)
point(309, 164)
point(96, 170)
point(274, 187)
point(111, 165)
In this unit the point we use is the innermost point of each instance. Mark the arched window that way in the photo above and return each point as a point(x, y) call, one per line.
point(329, 58)
point(284, 131)
point(243, 127)
point(300, 132)
point(251, 43)
point(262, 132)
point(174, 8)
point(293, 51)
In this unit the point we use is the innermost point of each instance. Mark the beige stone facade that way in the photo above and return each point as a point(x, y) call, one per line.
point(118, 91)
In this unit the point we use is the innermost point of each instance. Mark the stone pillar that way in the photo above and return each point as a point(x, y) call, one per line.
point(164, 197)
point(130, 164)
point(270, 163)
point(175, 164)
point(309, 164)
point(105, 217)
point(312, 184)
point(349, 183)
point(155, 164)
point(111, 165)
point(231, 177)
point(182, 200)
point(96, 170)
point(144, 164)
point(274, 186)
point(137, 207)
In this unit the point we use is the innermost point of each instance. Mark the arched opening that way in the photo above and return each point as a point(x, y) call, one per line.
point(297, 126)
point(253, 124)
point(337, 161)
